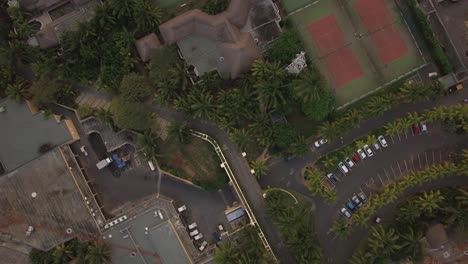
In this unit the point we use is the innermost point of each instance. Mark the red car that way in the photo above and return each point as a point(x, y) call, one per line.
point(416, 130)
point(356, 157)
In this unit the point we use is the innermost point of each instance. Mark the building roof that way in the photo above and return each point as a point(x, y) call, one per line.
point(47, 38)
point(43, 194)
point(23, 133)
point(237, 49)
point(146, 46)
point(9, 255)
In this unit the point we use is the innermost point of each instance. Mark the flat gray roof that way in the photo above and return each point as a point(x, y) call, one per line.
point(55, 206)
point(131, 243)
point(22, 133)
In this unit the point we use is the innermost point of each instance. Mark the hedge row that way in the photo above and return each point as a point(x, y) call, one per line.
point(437, 52)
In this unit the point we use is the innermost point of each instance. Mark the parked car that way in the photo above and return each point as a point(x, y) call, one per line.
point(382, 141)
point(356, 201)
point(349, 162)
point(345, 212)
point(220, 228)
point(83, 150)
point(368, 151)
point(343, 168)
point(332, 178)
point(356, 157)
point(182, 208)
point(203, 245)
point(416, 129)
point(423, 126)
point(216, 236)
point(362, 196)
point(320, 142)
point(198, 237)
point(361, 153)
point(351, 207)
point(194, 233)
point(376, 146)
point(192, 225)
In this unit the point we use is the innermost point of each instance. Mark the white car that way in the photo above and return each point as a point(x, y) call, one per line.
point(345, 212)
point(203, 245)
point(361, 154)
point(382, 141)
point(182, 208)
point(192, 225)
point(198, 237)
point(83, 150)
point(368, 151)
point(343, 168)
point(194, 233)
point(356, 201)
point(349, 162)
point(320, 142)
point(362, 196)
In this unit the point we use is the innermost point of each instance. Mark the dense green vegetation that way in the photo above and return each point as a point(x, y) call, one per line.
point(214, 7)
point(435, 48)
point(245, 249)
point(130, 115)
point(402, 238)
point(74, 251)
point(318, 185)
point(285, 48)
point(295, 224)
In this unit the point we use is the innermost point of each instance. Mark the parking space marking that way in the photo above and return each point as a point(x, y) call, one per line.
point(393, 171)
point(440, 155)
point(433, 157)
point(386, 174)
point(419, 158)
point(399, 168)
point(381, 181)
point(427, 162)
point(406, 165)
point(406, 134)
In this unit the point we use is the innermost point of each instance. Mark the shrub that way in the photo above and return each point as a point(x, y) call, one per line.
point(285, 48)
point(130, 115)
point(214, 7)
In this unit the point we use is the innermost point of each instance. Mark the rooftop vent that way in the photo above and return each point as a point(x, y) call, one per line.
point(2, 109)
point(221, 58)
point(69, 231)
point(34, 195)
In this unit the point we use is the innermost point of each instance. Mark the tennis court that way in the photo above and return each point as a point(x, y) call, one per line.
point(359, 45)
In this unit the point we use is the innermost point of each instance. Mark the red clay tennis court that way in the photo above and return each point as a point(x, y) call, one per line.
point(389, 44)
point(343, 67)
point(373, 13)
point(326, 35)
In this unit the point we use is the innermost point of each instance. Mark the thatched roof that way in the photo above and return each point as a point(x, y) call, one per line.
point(238, 49)
point(146, 46)
point(47, 38)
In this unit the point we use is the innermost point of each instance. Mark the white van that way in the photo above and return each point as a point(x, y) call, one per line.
point(151, 165)
point(203, 245)
point(194, 232)
point(192, 225)
point(342, 168)
point(198, 237)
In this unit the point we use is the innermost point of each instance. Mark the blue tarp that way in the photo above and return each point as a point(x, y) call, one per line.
point(236, 214)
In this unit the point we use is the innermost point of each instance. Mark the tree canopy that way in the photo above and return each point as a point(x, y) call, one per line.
point(130, 115)
point(134, 87)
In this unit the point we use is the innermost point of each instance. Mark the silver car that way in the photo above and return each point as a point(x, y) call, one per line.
point(382, 141)
point(368, 151)
point(343, 168)
point(361, 154)
point(356, 201)
point(345, 212)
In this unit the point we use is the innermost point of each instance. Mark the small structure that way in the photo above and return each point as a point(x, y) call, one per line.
point(440, 247)
point(298, 64)
point(147, 45)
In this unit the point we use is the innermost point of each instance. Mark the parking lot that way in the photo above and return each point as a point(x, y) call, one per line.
point(405, 153)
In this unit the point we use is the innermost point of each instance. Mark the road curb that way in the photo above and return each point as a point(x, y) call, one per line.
point(180, 179)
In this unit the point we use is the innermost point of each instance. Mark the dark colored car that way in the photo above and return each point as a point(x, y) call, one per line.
point(350, 205)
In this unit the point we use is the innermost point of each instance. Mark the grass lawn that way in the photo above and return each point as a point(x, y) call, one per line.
point(196, 162)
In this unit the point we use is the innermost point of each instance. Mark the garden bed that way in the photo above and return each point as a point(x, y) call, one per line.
point(196, 161)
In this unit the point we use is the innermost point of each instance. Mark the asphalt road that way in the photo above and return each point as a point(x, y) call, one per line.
point(287, 174)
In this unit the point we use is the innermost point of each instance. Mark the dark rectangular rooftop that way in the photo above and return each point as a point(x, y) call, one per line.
point(22, 133)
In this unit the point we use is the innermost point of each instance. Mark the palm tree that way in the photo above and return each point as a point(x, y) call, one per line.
point(430, 201)
point(265, 71)
point(147, 16)
point(309, 86)
point(260, 167)
point(122, 9)
point(408, 212)
point(149, 144)
point(392, 128)
point(341, 229)
point(62, 254)
point(360, 143)
point(18, 90)
point(371, 139)
point(362, 258)
point(202, 104)
point(411, 244)
point(462, 197)
point(98, 253)
point(353, 116)
point(415, 92)
point(241, 137)
point(377, 106)
point(384, 241)
point(180, 133)
point(227, 253)
point(177, 77)
point(328, 130)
